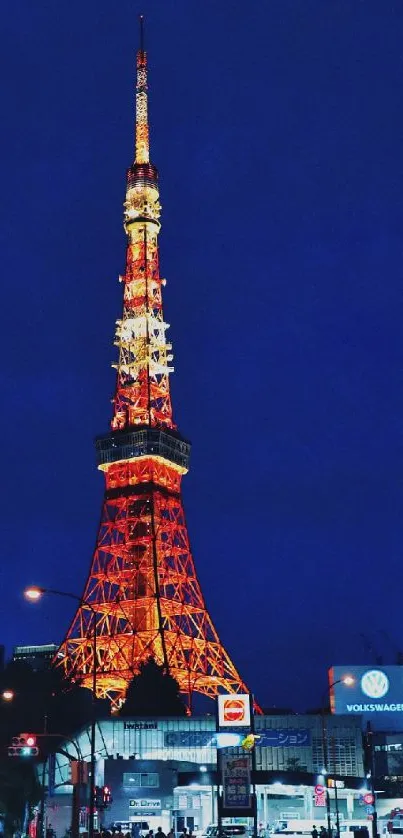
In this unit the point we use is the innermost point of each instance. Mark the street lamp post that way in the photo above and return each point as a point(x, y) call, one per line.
point(348, 680)
point(370, 756)
point(34, 593)
point(336, 802)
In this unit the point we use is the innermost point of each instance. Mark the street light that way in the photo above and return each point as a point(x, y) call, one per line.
point(34, 593)
point(8, 695)
point(349, 681)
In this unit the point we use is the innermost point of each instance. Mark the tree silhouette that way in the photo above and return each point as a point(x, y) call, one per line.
point(153, 692)
point(43, 700)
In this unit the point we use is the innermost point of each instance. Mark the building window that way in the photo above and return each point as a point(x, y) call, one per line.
point(141, 780)
point(152, 780)
point(342, 753)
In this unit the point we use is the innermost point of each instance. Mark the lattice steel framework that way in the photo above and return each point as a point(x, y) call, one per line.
point(142, 584)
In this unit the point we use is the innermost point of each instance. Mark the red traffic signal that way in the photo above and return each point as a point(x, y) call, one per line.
point(23, 745)
point(107, 795)
point(103, 797)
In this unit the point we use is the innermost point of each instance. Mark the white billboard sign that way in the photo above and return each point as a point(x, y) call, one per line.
point(234, 710)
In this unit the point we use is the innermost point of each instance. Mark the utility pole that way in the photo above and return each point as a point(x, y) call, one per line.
point(42, 830)
point(371, 766)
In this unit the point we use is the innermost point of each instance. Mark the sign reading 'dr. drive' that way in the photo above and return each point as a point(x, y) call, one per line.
point(374, 692)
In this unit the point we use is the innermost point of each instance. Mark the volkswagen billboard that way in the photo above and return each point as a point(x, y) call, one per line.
point(373, 692)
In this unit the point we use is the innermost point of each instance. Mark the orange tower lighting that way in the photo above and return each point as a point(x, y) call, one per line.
point(145, 597)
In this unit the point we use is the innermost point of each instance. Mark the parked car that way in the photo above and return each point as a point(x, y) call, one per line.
point(126, 826)
point(231, 830)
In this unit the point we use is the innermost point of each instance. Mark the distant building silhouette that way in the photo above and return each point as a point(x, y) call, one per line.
point(278, 711)
point(39, 657)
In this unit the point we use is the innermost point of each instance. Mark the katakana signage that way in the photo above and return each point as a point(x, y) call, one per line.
point(188, 738)
point(284, 738)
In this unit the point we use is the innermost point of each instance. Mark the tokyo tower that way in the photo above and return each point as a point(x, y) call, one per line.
point(142, 595)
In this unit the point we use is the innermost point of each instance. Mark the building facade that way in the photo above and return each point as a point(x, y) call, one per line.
point(388, 762)
point(163, 771)
point(38, 657)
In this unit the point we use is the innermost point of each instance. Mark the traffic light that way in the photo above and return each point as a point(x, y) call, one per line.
point(102, 797)
point(23, 745)
point(98, 797)
point(107, 795)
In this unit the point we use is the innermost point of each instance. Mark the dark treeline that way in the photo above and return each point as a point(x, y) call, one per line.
point(46, 702)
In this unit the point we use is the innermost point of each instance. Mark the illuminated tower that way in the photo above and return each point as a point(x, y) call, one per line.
point(142, 585)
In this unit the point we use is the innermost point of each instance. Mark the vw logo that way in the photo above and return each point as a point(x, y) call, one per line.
point(375, 683)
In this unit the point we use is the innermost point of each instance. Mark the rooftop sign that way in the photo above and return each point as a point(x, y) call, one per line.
point(376, 694)
point(234, 710)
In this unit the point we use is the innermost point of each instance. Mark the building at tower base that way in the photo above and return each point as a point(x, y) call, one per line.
point(162, 772)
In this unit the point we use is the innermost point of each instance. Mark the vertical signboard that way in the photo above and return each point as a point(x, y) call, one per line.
point(236, 782)
point(320, 795)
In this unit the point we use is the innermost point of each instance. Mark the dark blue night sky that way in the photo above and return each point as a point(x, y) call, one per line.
point(277, 129)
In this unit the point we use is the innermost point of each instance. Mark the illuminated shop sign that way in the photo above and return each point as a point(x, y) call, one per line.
point(236, 782)
point(234, 710)
point(376, 693)
point(267, 738)
point(189, 738)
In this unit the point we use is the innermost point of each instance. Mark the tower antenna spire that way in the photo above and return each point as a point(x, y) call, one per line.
point(142, 152)
point(141, 19)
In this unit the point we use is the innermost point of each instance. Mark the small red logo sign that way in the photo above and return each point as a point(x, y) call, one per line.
point(234, 710)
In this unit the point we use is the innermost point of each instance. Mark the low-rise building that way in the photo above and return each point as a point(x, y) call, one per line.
point(163, 772)
point(38, 657)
